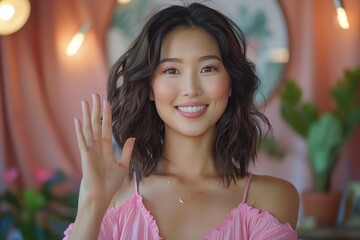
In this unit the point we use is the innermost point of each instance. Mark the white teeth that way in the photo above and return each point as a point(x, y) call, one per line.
point(191, 109)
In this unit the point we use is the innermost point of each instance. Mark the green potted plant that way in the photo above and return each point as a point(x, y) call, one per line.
point(325, 133)
point(41, 212)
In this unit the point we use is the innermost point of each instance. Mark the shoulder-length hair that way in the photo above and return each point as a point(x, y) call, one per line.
point(238, 131)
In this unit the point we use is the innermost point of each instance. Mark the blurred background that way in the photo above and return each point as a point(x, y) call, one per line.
point(43, 80)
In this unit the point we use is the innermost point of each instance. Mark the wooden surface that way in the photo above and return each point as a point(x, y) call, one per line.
point(329, 234)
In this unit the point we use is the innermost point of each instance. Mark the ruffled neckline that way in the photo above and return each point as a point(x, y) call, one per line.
point(212, 232)
point(137, 198)
point(253, 211)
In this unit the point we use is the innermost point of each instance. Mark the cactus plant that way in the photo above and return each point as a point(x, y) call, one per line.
point(325, 133)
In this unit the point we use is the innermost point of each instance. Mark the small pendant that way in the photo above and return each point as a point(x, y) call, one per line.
point(181, 201)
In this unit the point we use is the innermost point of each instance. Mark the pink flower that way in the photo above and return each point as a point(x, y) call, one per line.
point(42, 175)
point(10, 175)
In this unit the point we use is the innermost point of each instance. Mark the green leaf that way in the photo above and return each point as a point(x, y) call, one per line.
point(345, 93)
point(310, 114)
point(299, 115)
point(12, 199)
point(33, 200)
point(352, 122)
point(31, 229)
point(324, 141)
point(291, 93)
point(293, 118)
point(325, 132)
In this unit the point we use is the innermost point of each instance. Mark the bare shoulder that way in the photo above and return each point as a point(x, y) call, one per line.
point(275, 195)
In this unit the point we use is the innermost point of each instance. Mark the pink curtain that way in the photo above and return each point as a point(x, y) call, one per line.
point(41, 87)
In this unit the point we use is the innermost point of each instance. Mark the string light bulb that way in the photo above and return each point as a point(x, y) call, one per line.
point(13, 15)
point(341, 14)
point(78, 39)
point(6, 11)
point(123, 1)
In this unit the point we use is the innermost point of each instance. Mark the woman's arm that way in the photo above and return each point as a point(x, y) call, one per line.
point(102, 175)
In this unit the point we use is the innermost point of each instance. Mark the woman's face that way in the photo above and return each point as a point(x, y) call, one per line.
point(190, 86)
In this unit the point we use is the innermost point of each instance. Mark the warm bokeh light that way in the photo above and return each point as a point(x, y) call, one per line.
point(6, 11)
point(75, 44)
point(342, 18)
point(279, 55)
point(78, 39)
point(13, 15)
point(124, 1)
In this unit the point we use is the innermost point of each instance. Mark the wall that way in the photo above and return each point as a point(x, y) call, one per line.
point(41, 88)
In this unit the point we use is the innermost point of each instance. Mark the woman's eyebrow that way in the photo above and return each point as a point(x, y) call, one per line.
point(203, 58)
point(207, 57)
point(170, 60)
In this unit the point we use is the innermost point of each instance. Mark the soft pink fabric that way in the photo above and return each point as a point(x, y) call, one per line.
point(132, 220)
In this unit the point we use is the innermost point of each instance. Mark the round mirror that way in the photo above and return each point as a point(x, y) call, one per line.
point(263, 23)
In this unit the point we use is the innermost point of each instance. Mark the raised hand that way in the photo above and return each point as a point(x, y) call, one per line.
point(102, 175)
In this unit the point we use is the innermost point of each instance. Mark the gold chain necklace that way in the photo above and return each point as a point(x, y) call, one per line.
point(180, 199)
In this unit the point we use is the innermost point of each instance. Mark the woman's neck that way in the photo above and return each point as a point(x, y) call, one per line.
point(187, 158)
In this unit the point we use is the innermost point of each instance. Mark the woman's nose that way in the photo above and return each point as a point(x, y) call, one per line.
point(191, 85)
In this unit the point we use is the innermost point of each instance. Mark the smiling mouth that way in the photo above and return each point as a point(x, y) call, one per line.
point(191, 109)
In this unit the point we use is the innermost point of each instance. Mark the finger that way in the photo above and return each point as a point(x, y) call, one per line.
point(80, 136)
point(87, 129)
point(95, 116)
point(106, 122)
point(126, 152)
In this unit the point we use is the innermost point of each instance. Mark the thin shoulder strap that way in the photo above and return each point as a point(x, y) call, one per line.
point(246, 188)
point(136, 183)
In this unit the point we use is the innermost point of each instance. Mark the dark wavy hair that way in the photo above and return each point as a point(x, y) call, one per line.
point(238, 131)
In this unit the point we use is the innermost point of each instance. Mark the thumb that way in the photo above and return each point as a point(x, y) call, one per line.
point(126, 152)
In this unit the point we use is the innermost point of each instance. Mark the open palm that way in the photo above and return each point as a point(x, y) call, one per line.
point(102, 175)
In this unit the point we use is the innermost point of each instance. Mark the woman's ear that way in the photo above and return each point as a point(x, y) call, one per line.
point(230, 90)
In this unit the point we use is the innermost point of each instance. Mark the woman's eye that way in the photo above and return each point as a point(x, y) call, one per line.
point(207, 69)
point(171, 71)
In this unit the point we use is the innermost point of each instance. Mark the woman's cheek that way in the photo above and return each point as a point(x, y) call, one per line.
point(163, 91)
point(219, 88)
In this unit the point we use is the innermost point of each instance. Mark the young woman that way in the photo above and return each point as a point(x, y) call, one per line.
point(185, 119)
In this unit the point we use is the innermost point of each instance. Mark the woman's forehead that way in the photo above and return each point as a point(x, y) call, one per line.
point(189, 39)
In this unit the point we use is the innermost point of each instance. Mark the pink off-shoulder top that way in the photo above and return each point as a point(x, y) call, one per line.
point(132, 221)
